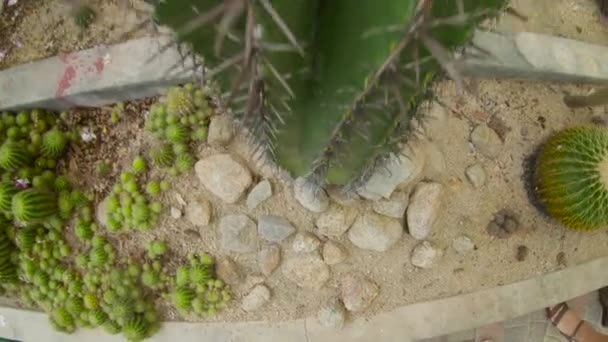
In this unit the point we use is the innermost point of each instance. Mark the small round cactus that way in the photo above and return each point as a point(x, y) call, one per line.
point(13, 156)
point(153, 188)
point(163, 155)
point(571, 177)
point(182, 298)
point(54, 143)
point(136, 328)
point(7, 191)
point(199, 274)
point(176, 133)
point(34, 205)
point(184, 162)
point(139, 164)
point(26, 238)
point(179, 102)
point(157, 248)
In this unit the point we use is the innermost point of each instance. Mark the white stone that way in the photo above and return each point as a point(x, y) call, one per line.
point(463, 244)
point(305, 243)
point(256, 299)
point(223, 176)
point(357, 292)
point(375, 232)
point(269, 259)
point(387, 177)
point(393, 207)
point(486, 141)
point(261, 192)
point(476, 175)
point(274, 228)
point(220, 130)
point(306, 270)
point(238, 234)
point(332, 315)
point(101, 213)
point(336, 221)
point(423, 209)
point(199, 213)
point(176, 213)
point(424, 255)
point(333, 253)
point(310, 196)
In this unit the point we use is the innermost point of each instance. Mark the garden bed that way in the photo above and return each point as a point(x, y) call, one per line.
point(474, 150)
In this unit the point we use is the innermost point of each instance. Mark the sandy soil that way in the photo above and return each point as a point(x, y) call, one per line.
point(526, 114)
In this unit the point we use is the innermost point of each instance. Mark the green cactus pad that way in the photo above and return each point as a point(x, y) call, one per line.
point(34, 205)
point(571, 177)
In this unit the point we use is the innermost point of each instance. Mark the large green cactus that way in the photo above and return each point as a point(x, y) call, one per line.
point(327, 87)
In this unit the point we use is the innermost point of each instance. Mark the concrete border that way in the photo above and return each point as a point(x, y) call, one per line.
point(407, 323)
point(94, 77)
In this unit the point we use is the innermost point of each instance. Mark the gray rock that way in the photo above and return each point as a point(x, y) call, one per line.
point(463, 244)
point(176, 213)
point(344, 198)
point(101, 213)
point(228, 271)
point(305, 243)
point(249, 283)
point(220, 130)
point(332, 315)
point(310, 196)
point(424, 255)
point(333, 253)
point(435, 160)
point(199, 213)
point(375, 232)
point(476, 175)
point(223, 176)
point(423, 209)
point(486, 141)
point(269, 259)
point(261, 192)
point(274, 228)
point(256, 299)
point(306, 271)
point(357, 292)
point(393, 207)
point(387, 177)
point(238, 234)
point(336, 221)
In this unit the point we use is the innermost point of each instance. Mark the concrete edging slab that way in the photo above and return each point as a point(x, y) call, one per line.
point(407, 323)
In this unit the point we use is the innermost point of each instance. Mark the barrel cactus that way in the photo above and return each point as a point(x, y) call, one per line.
point(34, 205)
point(13, 156)
point(571, 177)
point(326, 88)
point(7, 191)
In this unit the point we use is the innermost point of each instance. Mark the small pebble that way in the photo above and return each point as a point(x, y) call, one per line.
point(522, 253)
point(503, 225)
point(476, 175)
point(424, 255)
point(269, 259)
point(463, 244)
point(255, 299)
point(332, 315)
point(228, 270)
point(261, 192)
point(305, 243)
point(357, 292)
point(333, 253)
point(176, 213)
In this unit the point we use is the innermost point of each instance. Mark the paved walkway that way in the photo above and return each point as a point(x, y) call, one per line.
point(533, 327)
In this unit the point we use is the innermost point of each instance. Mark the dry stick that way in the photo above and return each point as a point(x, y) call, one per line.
point(598, 98)
point(233, 10)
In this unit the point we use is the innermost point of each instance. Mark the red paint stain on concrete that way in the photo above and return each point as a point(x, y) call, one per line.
point(66, 81)
point(99, 65)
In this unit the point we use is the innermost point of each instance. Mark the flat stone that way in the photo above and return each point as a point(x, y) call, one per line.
point(269, 259)
point(274, 228)
point(310, 196)
point(101, 213)
point(476, 175)
point(423, 209)
point(175, 213)
point(333, 253)
point(357, 292)
point(256, 299)
point(238, 234)
point(220, 130)
point(228, 271)
point(393, 207)
point(435, 160)
point(336, 221)
point(463, 244)
point(199, 213)
point(424, 255)
point(343, 198)
point(261, 192)
point(387, 177)
point(305, 242)
point(223, 176)
point(375, 232)
point(332, 315)
point(306, 271)
point(486, 141)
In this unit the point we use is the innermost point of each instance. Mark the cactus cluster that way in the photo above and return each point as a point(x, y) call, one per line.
point(326, 88)
point(571, 177)
point(181, 119)
point(197, 289)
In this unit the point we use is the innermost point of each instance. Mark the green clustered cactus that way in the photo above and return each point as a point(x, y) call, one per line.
point(197, 289)
point(157, 248)
point(183, 118)
point(326, 88)
point(571, 177)
point(33, 205)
